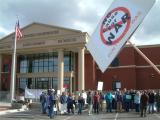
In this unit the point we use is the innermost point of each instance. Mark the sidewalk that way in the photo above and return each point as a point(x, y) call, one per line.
point(5, 108)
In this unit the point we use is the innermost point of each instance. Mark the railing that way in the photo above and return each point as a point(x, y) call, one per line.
point(5, 96)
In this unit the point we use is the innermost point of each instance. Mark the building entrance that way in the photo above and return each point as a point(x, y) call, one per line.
point(43, 83)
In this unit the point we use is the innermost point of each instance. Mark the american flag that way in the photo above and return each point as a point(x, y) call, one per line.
point(18, 33)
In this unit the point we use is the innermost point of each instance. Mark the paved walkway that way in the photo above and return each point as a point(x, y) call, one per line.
point(5, 108)
point(36, 115)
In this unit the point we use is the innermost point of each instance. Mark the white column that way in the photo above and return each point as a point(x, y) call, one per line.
point(60, 70)
point(70, 86)
point(81, 82)
point(0, 70)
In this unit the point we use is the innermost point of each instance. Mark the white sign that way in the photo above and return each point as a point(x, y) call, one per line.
point(115, 28)
point(118, 85)
point(33, 93)
point(100, 86)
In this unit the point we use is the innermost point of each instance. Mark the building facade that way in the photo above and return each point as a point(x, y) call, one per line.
point(47, 57)
point(55, 57)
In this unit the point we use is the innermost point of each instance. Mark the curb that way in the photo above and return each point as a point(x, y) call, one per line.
point(12, 111)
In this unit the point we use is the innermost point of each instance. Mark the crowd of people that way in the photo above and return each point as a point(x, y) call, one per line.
point(141, 101)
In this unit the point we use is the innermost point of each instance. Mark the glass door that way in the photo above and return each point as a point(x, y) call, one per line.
point(42, 83)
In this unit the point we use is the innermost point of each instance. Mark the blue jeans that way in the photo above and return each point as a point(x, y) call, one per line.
point(137, 107)
point(127, 106)
point(43, 108)
point(151, 107)
point(109, 106)
point(80, 105)
point(51, 112)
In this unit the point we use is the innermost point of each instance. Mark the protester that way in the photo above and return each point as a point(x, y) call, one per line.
point(157, 99)
point(119, 100)
point(63, 101)
point(96, 100)
point(43, 102)
point(109, 98)
point(127, 100)
point(101, 101)
point(84, 95)
point(151, 101)
point(80, 103)
point(51, 104)
point(137, 98)
point(90, 102)
point(144, 101)
point(70, 103)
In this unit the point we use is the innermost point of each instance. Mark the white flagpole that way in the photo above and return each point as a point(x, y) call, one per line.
point(144, 56)
point(13, 74)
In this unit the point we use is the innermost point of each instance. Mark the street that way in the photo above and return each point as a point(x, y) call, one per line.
point(36, 115)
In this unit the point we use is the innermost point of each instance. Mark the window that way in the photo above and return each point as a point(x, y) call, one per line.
point(116, 85)
point(67, 83)
point(44, 62)
point(55, 83)
point(24, 65)
point(35, 65)
point(42, 83)
point(68, 65)
point(50, 66)
point(46, 65)
point(5, 68)
point(23, 83)
point(55, 62)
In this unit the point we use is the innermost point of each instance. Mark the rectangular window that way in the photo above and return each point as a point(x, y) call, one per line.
point(116, 85)
point(23, 83)
point(24, 66)
point(55, 83)
point(55, 63)
point(6, 68)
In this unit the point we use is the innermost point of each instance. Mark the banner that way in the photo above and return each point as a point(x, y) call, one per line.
point(33, 93)
point(115, 28)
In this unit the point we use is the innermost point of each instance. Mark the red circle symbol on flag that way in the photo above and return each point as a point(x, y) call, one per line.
point(115, 25)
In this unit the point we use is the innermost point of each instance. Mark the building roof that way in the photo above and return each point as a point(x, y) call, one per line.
point(45, 25)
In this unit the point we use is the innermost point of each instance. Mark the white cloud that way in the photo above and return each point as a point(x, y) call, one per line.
point(4, 31)
point(83, 26)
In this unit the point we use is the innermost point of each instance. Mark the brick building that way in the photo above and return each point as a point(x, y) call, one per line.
point(129, 69)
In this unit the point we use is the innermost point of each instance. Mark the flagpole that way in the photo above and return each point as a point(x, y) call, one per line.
point(12, 90)
point(145, 57)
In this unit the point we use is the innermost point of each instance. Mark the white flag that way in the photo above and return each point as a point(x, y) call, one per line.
point(115, 28)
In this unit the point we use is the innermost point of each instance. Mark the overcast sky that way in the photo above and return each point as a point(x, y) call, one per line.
point(83, 15)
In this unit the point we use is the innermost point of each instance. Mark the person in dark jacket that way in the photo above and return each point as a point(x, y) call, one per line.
point(70, 103)
point(51, 103)
point(96, 100)
point(151, 101)
point(43, 102)
point(63, 101)
point(90, 102)
point(157, 99)
point(144, 101)
point(119, 100)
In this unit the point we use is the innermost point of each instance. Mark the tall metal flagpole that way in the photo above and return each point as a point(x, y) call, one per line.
point(143, 55)
point(12, 89)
